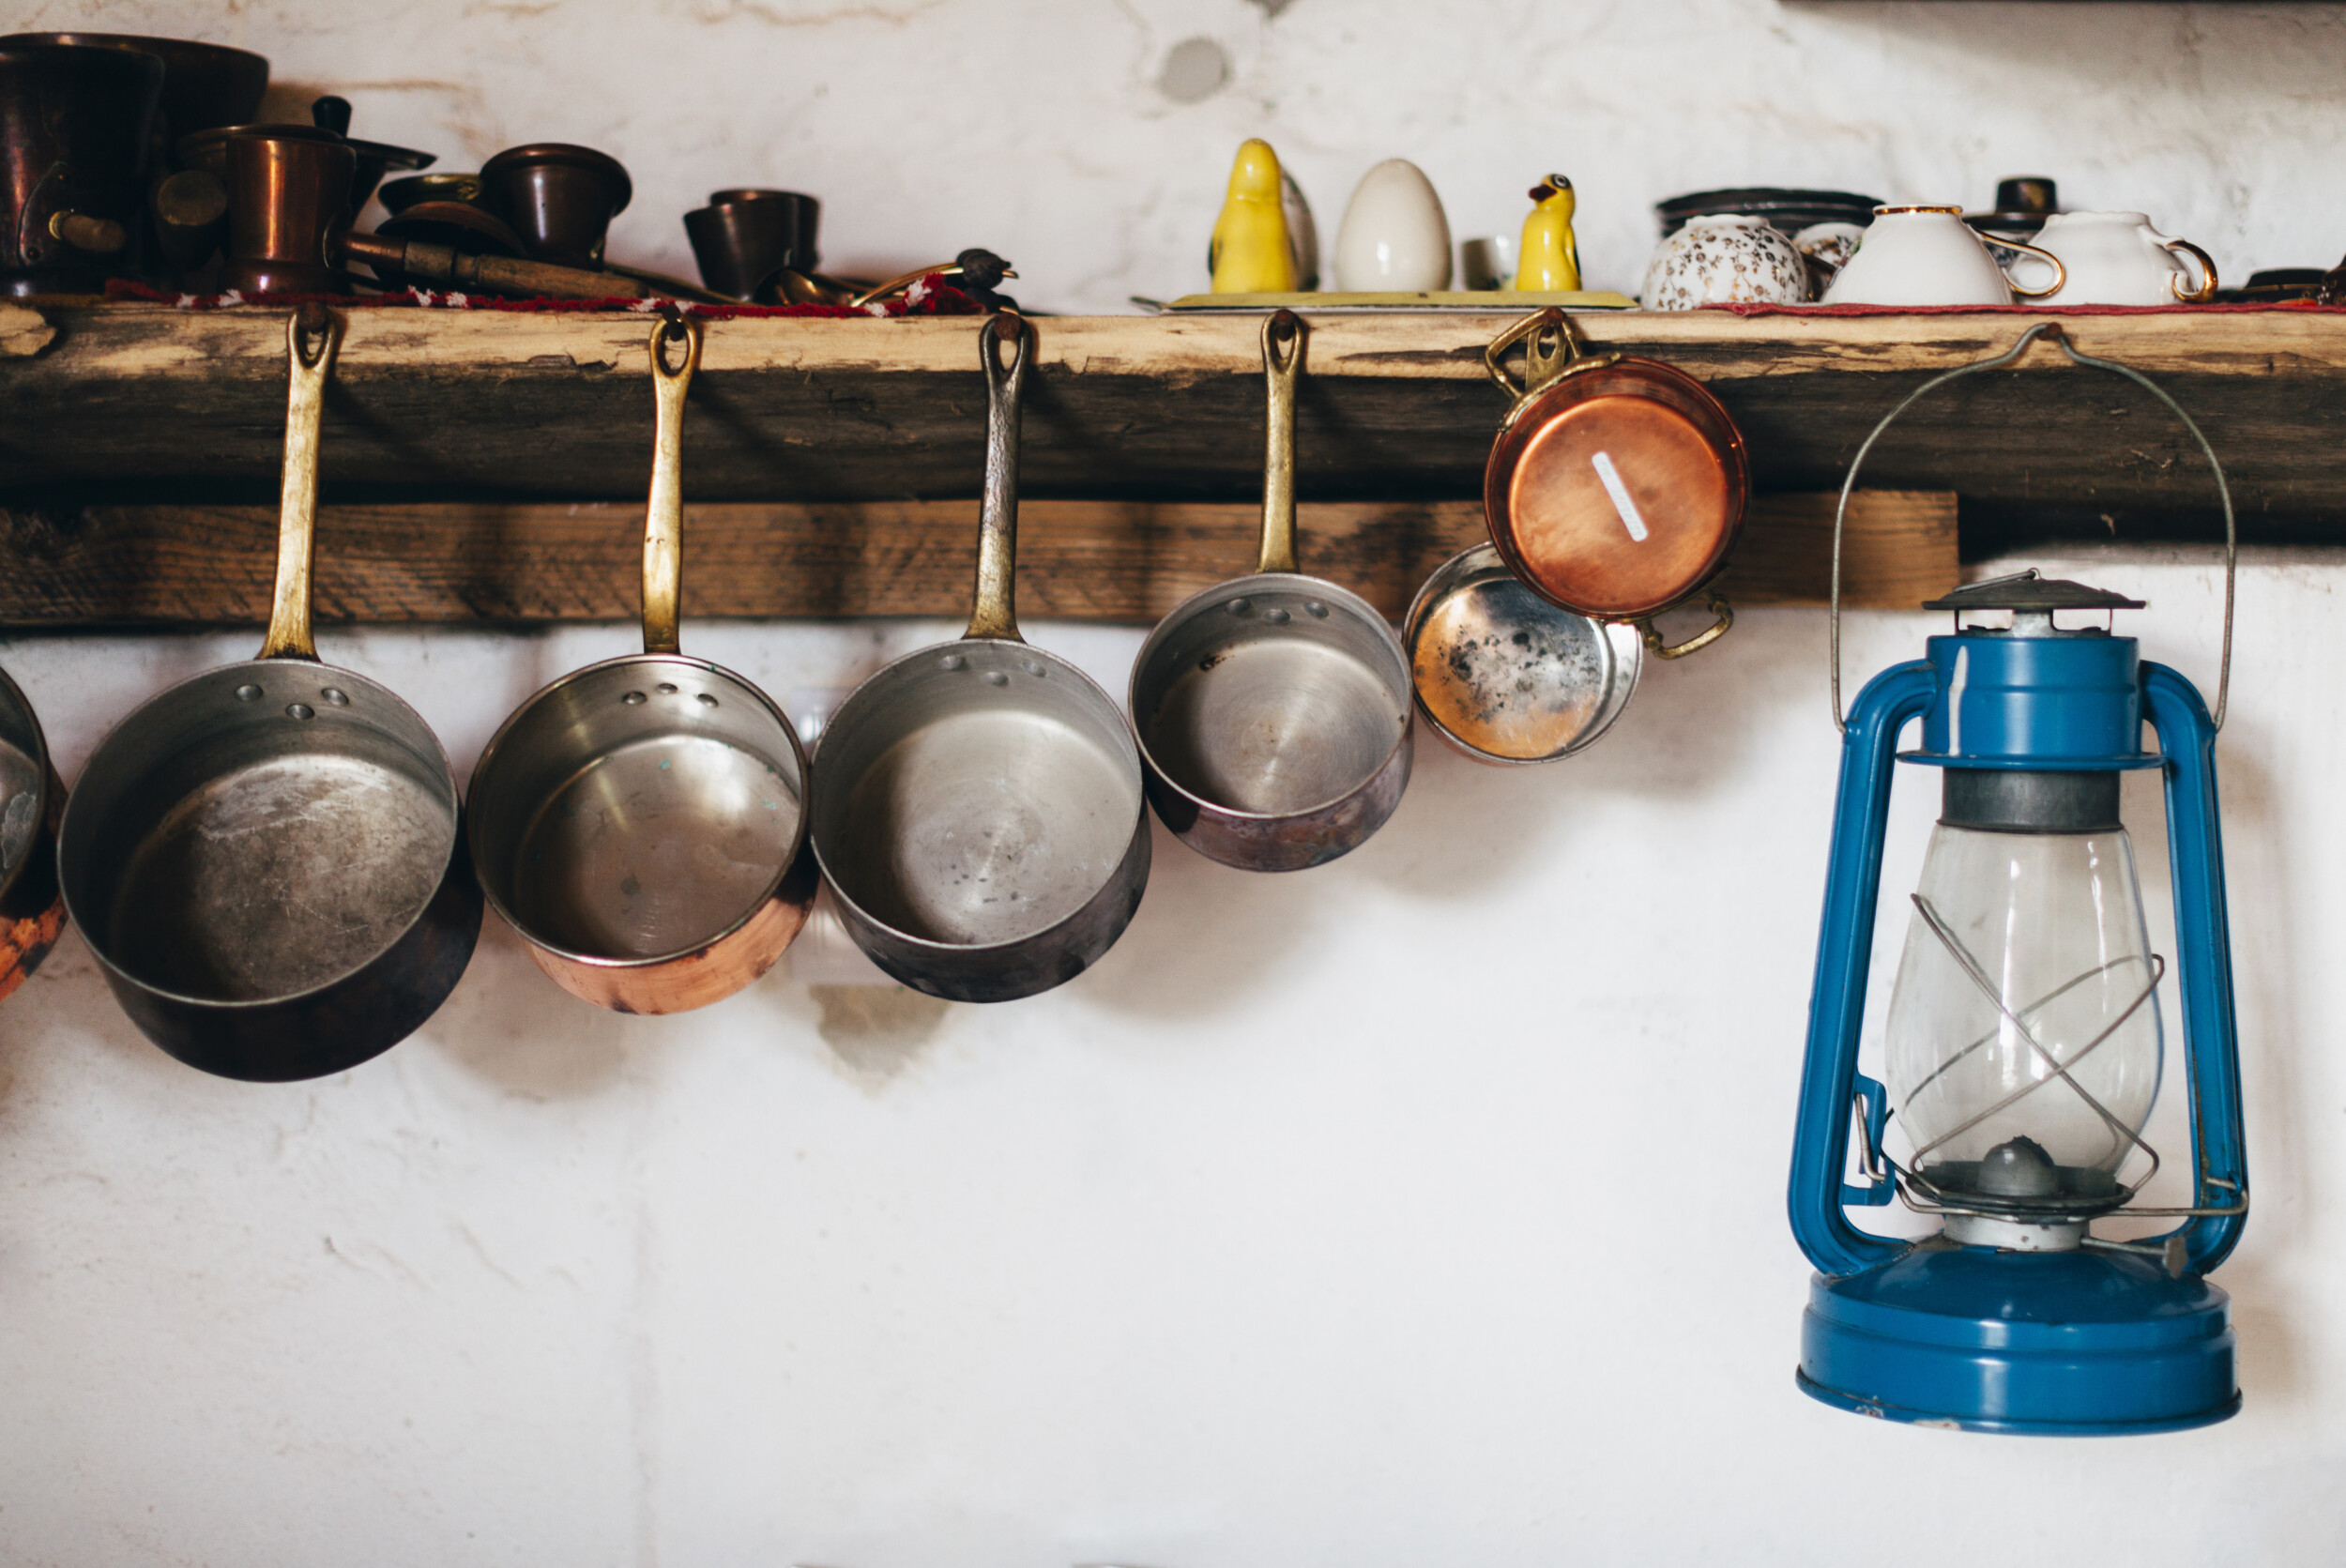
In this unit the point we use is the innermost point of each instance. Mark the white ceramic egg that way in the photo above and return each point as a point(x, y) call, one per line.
point(1394, 238)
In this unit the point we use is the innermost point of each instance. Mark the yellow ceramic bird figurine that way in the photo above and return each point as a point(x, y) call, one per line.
point(1250, 253)
point(1549, 257)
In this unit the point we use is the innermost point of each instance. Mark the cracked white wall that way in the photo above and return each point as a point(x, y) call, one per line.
point(1424, 1208)
point(1042, 130)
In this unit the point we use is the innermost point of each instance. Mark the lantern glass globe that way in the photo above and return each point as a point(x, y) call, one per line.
point(2022, 1093)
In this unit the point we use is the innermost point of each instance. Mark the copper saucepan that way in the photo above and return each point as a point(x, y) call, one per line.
point(1617, 485)
point(642, 822)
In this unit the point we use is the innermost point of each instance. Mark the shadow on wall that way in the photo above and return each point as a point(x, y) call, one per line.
point(1209, 937)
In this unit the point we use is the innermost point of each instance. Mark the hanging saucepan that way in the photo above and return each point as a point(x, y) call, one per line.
point(1505, 677)
point(1274, 709)
point(642, 822)
point(1617, 485)
point(978, 810)
point(268, 860)
point(32, 798)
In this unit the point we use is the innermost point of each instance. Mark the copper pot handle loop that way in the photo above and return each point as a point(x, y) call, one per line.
point(313, 336)
point(993, 611)
point(2052, 330)
point(1281, 370)
point(1723, 615)
point(1550, 344)
point(2207, 291)
point(664, 511)
point(2060, 273)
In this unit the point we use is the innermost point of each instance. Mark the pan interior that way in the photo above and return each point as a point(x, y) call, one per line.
point(1512, 675)
point(975, 794)
point(639, 809)
point(1272, 696)
point(258, 832)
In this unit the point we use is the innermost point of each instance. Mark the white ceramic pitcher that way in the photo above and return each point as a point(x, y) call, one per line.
point(1928, 255)
point(2117, 258)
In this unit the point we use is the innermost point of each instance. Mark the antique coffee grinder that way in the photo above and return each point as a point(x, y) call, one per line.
point(2024, 1039)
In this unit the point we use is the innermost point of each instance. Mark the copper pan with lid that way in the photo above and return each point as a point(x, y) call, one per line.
point(1617, 486)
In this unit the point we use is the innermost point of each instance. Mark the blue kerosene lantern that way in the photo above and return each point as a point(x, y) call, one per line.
point(2024, 1042)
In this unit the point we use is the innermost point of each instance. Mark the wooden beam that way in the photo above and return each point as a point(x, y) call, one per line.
point(524, 562)
point(444, 403)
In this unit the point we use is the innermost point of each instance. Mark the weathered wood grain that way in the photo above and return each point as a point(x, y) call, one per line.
point(1153, 408)
point(519, 562)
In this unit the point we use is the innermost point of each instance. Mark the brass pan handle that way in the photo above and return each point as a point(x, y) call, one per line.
point(993, 611)
point(663, 514)
point(2207, 291)
point(1278, 460)
point(312, 335)
point(1723, 618)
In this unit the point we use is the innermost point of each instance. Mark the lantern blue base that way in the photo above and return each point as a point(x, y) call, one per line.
point(2069, 1344)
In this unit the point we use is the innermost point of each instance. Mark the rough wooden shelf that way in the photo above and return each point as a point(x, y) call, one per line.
point(130, 401)
point(519, 562)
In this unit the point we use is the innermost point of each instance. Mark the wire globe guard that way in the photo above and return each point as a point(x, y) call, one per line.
point(2075, 1343)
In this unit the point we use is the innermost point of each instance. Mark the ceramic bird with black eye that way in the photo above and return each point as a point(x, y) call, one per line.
point(1250, 252)
point(1549, 257)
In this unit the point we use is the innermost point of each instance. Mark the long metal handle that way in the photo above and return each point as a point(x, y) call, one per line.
point(993, 610)
point(663, 514)
point(1283, 339)
point(2044, 329)
point(312, 334)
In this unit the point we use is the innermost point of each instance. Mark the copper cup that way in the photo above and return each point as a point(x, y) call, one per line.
point(743, 238)
point(561, 199)
point(288, 196)
point(75, 129)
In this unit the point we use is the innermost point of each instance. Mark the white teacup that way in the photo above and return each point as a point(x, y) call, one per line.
point(2117, 258)
point(1928, 255)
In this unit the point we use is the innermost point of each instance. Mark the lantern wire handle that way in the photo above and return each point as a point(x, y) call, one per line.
point(2045, 330)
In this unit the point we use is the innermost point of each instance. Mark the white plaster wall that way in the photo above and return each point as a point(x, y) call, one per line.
point(1037, 127)
point(1424, 1208)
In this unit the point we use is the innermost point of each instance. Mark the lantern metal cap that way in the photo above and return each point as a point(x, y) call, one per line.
point(2029, 591)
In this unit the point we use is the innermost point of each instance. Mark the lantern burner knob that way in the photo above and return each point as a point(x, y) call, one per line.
point(2020, 1167)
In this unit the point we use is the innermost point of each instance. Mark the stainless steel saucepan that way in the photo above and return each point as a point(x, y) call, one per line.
point(642, 821)
point(1274, 709)
point(267, 859)
point(978, 805)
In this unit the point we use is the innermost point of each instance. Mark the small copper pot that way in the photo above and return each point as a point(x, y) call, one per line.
point(288, 199)
point(32, 798)
point(75, 129)
point(561, 199)
point(743, 238)
point(1617, 486)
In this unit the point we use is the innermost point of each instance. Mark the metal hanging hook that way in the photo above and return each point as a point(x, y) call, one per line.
point(2044, 329)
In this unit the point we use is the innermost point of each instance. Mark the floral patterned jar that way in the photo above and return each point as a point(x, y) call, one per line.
point(1725, 260)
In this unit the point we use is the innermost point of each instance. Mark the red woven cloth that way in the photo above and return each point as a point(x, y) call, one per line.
point(930, 296)
point(2296, 306)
